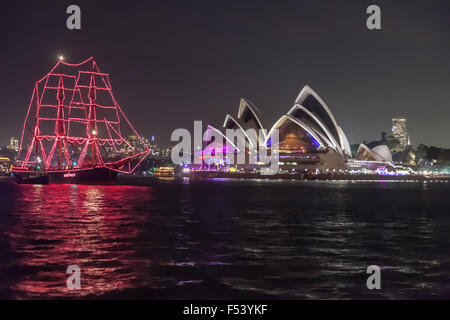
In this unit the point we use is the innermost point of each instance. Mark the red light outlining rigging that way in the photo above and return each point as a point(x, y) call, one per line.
point(78, 118)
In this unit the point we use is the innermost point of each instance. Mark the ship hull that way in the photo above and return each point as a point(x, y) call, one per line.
point(93, 176)
point(44, 179)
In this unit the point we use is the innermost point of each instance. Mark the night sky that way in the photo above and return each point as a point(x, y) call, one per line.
point(173, 62)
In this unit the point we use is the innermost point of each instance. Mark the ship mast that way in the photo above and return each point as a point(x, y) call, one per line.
point(36, 135)
point(59, 126)
point(92, 127)
point(36, 141)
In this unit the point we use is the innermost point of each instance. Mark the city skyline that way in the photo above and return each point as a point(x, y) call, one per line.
point(211, 55)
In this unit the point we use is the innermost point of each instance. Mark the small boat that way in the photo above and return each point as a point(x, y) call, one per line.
point(165, 172)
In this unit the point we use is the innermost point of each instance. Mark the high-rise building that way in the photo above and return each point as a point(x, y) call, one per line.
point(14, 144)
point(400, 132)
point(155, 150)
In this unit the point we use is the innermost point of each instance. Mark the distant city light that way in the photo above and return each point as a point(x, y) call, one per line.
point(186, 170)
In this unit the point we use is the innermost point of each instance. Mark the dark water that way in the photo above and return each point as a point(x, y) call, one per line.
point(226, 239)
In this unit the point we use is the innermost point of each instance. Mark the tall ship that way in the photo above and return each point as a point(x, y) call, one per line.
point(74, 130)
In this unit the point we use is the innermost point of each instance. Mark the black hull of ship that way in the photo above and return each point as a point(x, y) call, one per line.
point(92, 176)
point(44, 179)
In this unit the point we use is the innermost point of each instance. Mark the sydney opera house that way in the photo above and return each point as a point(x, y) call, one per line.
point(309, 139)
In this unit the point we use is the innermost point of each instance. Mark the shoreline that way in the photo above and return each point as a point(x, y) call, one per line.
point(141, 180)
point(309, 177)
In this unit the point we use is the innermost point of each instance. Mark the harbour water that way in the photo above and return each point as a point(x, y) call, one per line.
point(226, 239)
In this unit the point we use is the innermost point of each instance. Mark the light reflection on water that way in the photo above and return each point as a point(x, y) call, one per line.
point(88, 226)
point(225, 239)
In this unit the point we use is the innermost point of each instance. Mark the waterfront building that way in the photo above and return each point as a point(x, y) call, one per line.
point(379, 153)
point(310, 139)
point(371, 160)
point(14, 144)
point(400, 132)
